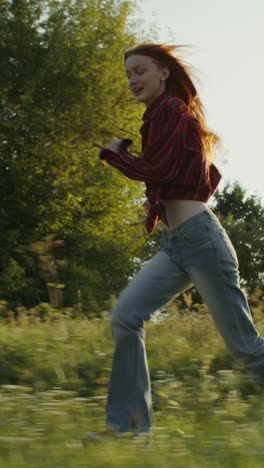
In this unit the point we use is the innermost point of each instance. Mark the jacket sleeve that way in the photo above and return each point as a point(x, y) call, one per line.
point(163, 157)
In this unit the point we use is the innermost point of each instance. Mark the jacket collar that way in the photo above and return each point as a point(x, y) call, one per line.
point(155, 105)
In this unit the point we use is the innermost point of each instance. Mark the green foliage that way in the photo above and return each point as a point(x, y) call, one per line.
point(243, 217)
point(63, 93)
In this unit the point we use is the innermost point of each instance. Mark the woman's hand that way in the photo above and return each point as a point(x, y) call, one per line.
point(113, 145)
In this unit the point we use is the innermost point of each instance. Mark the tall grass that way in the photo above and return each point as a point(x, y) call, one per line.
point(54, 371)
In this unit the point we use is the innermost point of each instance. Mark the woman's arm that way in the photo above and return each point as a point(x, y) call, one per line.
point(163, 158)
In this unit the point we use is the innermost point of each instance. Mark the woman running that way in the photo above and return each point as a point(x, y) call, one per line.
point(176, 166)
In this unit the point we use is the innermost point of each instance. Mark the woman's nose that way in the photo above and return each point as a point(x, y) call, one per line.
point(132, 80)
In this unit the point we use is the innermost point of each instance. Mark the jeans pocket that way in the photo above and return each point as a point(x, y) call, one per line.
point(197, 235)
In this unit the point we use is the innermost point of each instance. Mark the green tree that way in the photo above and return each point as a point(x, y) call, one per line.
point(63, 94)
point(242, 216)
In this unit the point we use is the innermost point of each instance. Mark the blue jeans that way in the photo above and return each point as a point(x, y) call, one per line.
point(200, 253)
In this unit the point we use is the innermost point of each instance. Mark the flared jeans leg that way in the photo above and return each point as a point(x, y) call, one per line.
point(204, 251)
point(129, 403)
point(215, 275)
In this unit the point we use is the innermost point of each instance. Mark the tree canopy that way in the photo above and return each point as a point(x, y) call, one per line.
point(243, 217)
point(63, 94)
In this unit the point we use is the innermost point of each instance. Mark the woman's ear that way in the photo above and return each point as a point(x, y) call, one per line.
point(166, 74)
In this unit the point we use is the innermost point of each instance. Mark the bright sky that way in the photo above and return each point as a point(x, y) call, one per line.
point(227, 53)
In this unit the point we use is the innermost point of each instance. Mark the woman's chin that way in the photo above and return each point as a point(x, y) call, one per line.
point(140, 98)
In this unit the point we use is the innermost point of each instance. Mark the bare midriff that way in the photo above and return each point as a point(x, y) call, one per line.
point(178, 211)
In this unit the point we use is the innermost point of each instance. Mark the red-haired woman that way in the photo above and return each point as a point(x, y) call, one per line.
point(176, 166)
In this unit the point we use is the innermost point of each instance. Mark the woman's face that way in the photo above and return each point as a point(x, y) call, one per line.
point(146, 80)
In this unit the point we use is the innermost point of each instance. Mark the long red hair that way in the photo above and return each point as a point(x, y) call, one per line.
point(180, 85)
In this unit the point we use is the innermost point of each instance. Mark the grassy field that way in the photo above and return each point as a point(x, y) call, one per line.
point(53, 385)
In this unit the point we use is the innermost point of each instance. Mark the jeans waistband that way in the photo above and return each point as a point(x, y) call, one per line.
point(205, 216)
